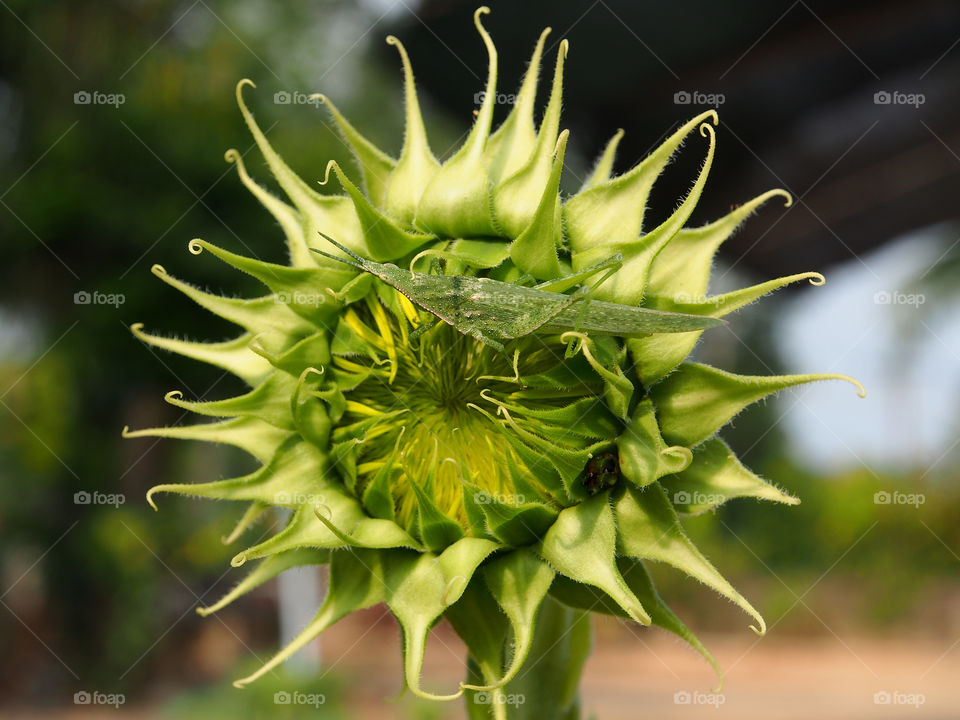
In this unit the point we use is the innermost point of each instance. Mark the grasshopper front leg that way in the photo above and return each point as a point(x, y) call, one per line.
point(573, 345)
point(610, 265)
point(487, 340)
point(423, 328)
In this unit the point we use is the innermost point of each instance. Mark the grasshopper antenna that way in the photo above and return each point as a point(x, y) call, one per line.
point(349, 252)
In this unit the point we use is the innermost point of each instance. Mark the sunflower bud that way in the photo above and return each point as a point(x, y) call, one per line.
point(441, 474)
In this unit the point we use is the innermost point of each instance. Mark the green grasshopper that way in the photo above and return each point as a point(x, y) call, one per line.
point(495, 312)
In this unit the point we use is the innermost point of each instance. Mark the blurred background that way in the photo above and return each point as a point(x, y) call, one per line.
point(114, 116)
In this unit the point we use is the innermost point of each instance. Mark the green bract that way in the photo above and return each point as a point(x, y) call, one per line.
point(438, 474)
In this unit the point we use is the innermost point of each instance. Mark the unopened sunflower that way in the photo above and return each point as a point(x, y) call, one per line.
point(472, 392)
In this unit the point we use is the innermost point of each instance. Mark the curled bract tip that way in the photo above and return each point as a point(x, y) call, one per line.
point(392, 40)
point(323, 512)
point(158, 269)
point(424, 253)
point(706, 129)
point(331, 165)
point(817, 279)
point(485, 394)
point(239, 559)
point(150, 501)
point(232, 156)
point(195, 246)
point(424, 695)
point(482, 10)
point(319, 97)
point(307, 372)
point(681, 453)
point(572, 335)
point(861, 390)
point(136, 328)
point(239, 92)
point(787, 197)
point(173, 395)
point(762, 630)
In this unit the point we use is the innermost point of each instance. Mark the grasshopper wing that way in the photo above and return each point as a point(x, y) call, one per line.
point(606, 318)
point(509, 311)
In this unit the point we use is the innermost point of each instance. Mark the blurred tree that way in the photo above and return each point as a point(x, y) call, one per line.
point(91, 195)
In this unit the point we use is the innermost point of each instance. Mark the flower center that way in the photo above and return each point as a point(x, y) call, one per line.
point(427, 418)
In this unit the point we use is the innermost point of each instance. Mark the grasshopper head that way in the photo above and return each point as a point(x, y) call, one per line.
point(388, 272)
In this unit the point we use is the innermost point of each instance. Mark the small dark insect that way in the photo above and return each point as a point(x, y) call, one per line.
point(602, 472)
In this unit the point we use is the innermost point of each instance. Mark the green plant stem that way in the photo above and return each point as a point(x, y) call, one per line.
point(547, 687)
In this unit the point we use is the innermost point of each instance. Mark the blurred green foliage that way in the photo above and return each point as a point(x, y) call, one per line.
point(90, 197)
point(284, 697)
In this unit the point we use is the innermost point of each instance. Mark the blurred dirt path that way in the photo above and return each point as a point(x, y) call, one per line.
point(641, 674)
point(648, 675)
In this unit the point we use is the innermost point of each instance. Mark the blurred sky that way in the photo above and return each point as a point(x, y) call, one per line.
point(872, 321)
